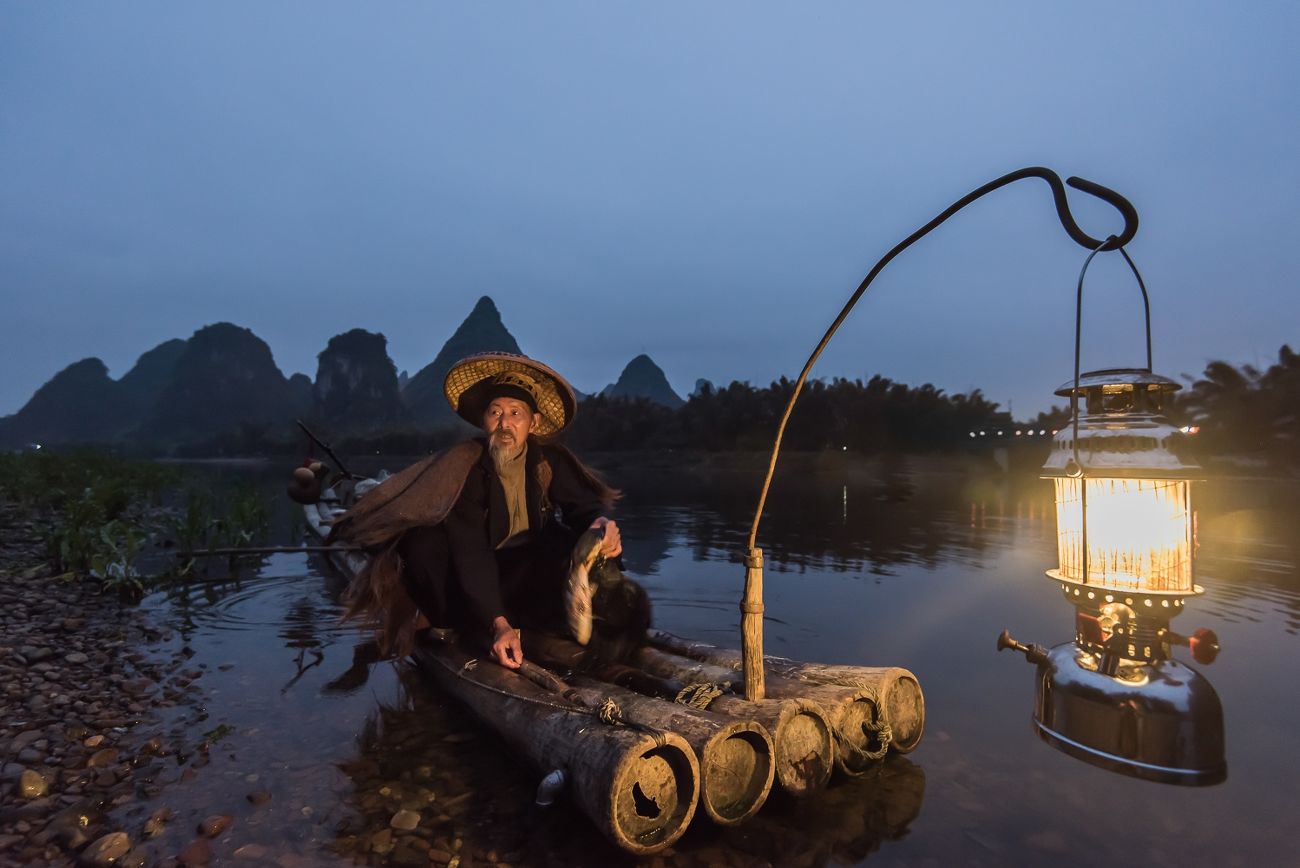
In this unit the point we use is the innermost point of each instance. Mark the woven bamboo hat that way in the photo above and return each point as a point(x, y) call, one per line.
point(474, 381)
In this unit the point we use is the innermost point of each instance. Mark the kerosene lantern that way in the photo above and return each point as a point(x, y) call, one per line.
point(1126, 544)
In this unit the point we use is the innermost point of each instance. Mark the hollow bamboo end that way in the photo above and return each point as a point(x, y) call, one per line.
point(654, 793)
point(905, 710)
point(736, 772)
point(854, 719)
point(805, 748)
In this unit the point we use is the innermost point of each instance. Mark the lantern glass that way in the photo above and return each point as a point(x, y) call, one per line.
point(1138, 532)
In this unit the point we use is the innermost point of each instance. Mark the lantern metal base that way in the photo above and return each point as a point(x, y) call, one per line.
point(1157, 721)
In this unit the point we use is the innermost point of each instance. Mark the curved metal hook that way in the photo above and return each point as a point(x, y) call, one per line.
point(1083, 239)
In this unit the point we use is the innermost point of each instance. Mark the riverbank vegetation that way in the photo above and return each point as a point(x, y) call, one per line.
point(100, 516)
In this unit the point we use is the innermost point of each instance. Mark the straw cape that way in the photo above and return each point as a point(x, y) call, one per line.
point(472, 382)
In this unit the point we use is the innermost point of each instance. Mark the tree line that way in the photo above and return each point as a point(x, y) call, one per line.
point(878, 415)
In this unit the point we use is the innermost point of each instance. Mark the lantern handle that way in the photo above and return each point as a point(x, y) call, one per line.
point(1075, 467)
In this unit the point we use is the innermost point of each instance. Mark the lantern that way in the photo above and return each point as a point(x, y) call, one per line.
point(1124, 529)
point(1126, 544)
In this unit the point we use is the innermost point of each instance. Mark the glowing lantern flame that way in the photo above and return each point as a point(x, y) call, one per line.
point(1123, 498)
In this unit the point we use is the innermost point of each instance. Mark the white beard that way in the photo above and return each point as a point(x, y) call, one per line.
point(503, 451)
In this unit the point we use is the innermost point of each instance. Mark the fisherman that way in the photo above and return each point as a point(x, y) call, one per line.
point(469, 538)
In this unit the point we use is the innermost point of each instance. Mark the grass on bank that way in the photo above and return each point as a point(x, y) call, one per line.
point(99, 514)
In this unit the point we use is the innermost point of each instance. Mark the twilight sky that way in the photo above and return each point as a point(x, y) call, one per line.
point(704, 182)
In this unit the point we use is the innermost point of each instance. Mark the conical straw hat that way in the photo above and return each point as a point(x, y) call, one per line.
point(469, 383)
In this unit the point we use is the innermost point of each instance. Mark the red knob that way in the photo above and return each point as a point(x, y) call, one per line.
point(1205, 646)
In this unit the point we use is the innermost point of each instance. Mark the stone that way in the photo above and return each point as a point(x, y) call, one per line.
point(213, 826)
point(197, 852)
point(32, 785)
point(382, 841)
point(101, 758)
point(153, 827)
point(107, 850)
point(76, 658)
point(405, 821)
point(259, 797)
point(251, 852)
point(94, 741)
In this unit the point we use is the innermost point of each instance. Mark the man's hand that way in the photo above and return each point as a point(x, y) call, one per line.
point(612, 546)
point(505, 644)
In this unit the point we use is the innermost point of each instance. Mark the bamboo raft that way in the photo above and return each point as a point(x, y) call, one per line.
point(644, 745)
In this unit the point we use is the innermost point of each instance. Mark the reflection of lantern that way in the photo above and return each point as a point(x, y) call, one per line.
point(1126, 544)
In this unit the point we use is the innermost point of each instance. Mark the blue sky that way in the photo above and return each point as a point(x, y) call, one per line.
point(706, 183)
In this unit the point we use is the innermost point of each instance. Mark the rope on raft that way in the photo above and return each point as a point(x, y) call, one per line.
point(880, 730)
point(698, 695)
point(610, 713)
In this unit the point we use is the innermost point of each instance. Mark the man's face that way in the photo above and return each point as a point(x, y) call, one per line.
point(509, 421)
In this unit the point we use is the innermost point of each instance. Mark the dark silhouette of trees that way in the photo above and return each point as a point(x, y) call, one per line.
point(1245, 411)
point(876, 416)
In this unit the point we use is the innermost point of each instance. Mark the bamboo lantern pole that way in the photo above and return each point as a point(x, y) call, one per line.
point(752, 603)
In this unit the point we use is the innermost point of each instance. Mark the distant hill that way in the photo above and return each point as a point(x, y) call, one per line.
point(225, 376)
point(356, 384)
point(642, 378)
point(80, 404)
point(151, 373)
point(481, 332)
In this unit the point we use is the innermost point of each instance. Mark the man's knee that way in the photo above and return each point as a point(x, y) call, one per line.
point(425, 565)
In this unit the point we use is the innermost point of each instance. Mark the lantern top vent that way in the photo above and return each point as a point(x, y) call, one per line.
point(1121, 430)
point(1115, 380)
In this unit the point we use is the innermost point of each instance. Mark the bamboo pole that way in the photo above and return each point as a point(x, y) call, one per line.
point(805, 745)
point(897, 691)
point(640, 789)
point(801, 733)
point(736, 767)
point(851, 711)
point(751, 625)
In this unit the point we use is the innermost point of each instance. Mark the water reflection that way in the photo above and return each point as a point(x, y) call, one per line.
point(923, 580)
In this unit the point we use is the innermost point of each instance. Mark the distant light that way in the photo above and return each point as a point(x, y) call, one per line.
point(1054, 431)
point(981, 433)
point(972, 433)
point(1018, 432)
point(844, 449)
point(999, 433)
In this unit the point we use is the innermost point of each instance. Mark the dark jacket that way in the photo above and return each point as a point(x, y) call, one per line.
point(479, 521)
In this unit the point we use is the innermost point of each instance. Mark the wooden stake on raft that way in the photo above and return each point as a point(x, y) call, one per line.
point(641, 790)
point(899, 696)
point(751, 625)
point(736, 766)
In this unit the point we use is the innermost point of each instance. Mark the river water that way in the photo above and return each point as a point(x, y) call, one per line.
point(910, 566)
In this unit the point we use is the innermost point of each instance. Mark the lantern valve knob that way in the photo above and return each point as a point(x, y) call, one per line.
point(1203, 643)
point(1033, 653)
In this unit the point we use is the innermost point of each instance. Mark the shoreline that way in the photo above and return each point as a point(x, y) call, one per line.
point(88, 686)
